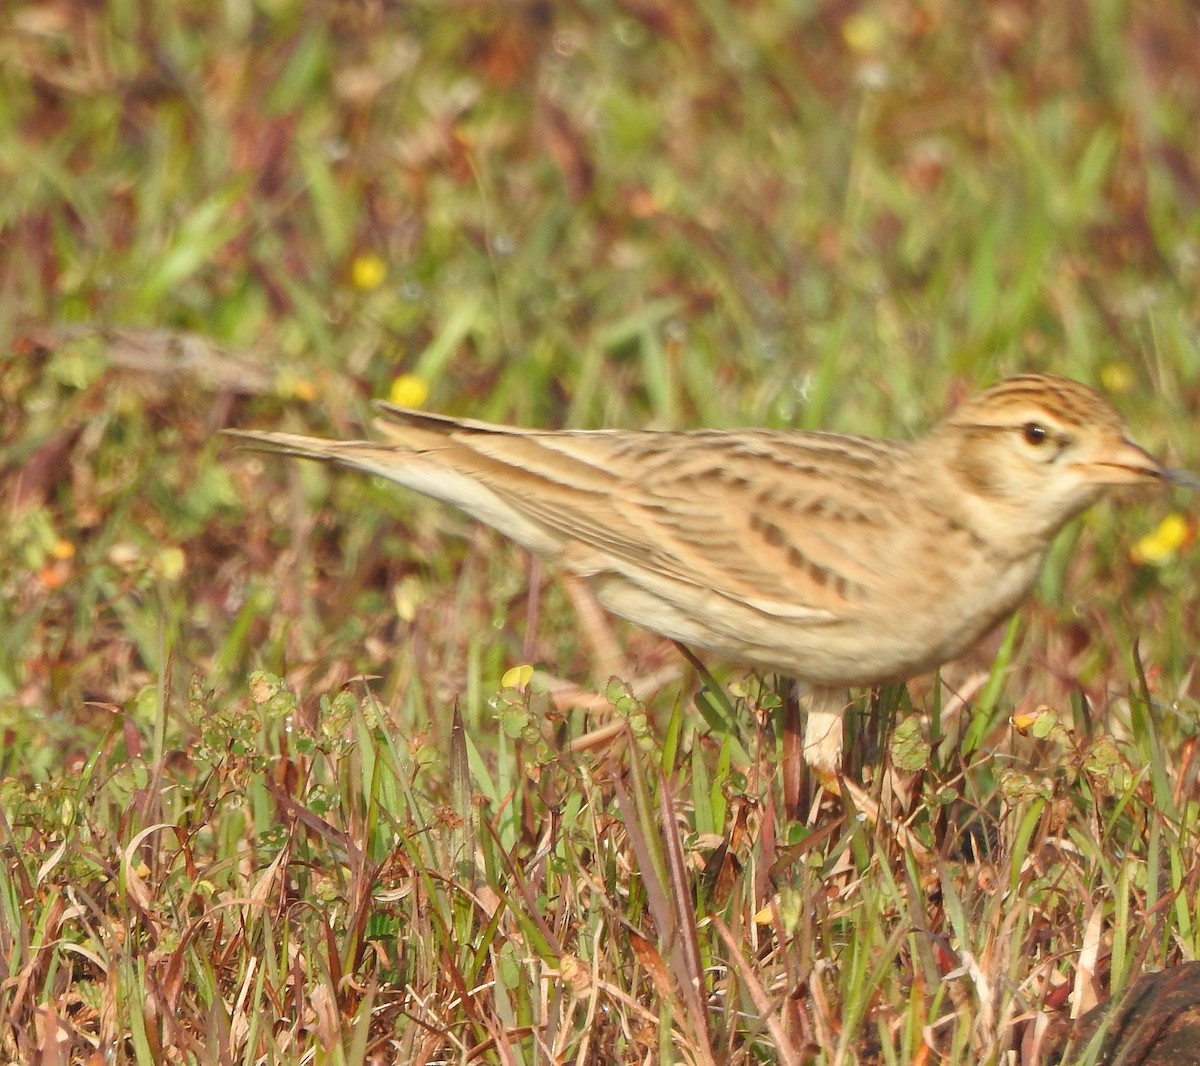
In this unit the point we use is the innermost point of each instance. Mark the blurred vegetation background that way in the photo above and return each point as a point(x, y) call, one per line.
point(566, 215)
point(809, 213)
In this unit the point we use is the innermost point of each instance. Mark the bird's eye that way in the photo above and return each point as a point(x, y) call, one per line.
point(1034, 434)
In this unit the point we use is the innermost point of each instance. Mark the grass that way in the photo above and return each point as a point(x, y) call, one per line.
point(267, 793)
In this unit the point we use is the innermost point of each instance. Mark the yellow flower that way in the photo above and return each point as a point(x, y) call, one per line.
point(864, 33)
point(407, 596)
point(170, 563)
point(1117, 378)
point(408, 390)
point(1163, 544)
point(517, 677)
point(368, 271)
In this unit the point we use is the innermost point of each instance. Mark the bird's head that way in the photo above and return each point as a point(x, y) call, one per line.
point(1035, 450)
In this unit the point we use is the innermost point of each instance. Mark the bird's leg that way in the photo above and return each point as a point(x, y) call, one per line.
point(792, 771)
point(823, 734)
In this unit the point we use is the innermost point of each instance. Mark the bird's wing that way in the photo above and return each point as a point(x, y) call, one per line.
point(762, 518)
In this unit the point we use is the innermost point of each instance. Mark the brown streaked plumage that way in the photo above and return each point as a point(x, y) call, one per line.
point(838, 560)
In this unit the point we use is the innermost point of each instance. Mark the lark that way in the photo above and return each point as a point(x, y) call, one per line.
point(841, 561)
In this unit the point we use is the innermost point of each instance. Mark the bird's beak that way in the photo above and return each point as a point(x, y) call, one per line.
point(1126, 463)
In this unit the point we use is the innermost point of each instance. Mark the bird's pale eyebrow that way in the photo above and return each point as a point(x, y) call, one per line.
point(1018, 426)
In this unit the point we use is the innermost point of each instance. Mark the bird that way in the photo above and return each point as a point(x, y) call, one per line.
point(841, 561)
